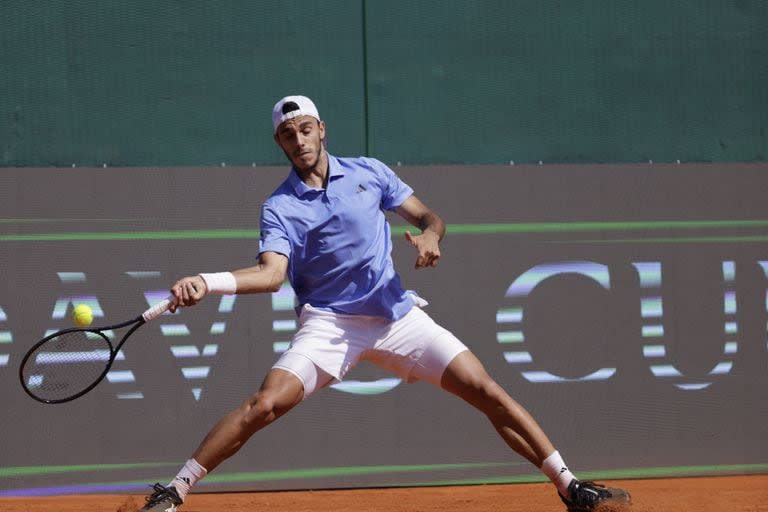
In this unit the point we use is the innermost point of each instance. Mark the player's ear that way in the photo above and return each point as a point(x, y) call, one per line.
point(321, 127)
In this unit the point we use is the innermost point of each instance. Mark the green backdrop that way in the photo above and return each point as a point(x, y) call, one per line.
point(147, 83)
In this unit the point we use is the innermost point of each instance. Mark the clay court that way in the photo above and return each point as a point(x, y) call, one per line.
point(718, 494)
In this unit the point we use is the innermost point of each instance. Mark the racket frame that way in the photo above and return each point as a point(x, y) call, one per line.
point(151, 313)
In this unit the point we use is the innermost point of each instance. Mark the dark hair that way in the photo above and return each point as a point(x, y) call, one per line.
point(289, 106)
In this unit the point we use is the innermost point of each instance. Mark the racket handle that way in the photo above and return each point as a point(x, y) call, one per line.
point(158, 309)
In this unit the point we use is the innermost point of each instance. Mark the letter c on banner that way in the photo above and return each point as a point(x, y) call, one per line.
point(510, 318)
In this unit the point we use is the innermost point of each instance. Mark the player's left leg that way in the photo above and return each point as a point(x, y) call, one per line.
point(466, 378)
point(416, 348)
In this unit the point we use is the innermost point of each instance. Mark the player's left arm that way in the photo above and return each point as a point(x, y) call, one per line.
point(432, 230)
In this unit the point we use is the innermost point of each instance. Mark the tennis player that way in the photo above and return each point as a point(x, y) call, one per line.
point(325, 230)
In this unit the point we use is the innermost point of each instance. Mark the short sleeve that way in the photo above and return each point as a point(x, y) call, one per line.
point(394, 190)
point(273, 237)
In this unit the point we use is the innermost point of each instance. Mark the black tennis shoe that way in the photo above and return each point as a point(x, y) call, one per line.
point(163, 499)
point(589, 496)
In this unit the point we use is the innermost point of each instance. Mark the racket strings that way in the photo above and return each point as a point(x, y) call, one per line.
point(66, 364)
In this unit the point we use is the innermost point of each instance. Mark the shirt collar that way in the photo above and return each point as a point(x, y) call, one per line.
point(300, 188)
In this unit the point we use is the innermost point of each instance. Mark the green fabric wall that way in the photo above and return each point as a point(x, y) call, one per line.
point(148, 83)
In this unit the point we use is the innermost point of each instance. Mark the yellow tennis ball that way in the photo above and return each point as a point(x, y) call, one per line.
point(82, 315)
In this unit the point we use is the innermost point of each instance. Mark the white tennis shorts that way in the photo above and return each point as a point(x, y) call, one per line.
point(328, 345)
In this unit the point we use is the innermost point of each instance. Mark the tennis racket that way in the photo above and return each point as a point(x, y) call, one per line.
point(69, 363)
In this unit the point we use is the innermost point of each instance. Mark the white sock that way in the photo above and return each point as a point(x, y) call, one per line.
point(187, 477)
point(556, 470)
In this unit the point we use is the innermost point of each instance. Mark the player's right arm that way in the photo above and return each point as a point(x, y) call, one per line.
point(266, 276)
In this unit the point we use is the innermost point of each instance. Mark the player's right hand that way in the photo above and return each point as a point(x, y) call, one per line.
point(188, 291)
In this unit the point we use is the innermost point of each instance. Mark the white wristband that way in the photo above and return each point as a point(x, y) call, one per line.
point(220, 283)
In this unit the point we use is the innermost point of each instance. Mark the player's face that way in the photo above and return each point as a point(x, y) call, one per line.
point(301, 139)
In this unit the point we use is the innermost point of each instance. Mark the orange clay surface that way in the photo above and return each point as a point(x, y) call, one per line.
point(718, 494)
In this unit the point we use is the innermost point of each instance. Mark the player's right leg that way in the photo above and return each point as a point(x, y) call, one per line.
point(278, 394)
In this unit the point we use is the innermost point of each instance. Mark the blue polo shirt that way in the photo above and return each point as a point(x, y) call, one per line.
point(337, 239)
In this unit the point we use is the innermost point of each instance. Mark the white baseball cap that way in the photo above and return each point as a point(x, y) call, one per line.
point(293, 106)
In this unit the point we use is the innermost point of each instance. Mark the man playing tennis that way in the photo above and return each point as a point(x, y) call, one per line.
point(325, 230)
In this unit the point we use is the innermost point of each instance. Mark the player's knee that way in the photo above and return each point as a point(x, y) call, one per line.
point(491, 392)
point(259, 411)
point(485, 394)
point(477, 384)
point(266, 406)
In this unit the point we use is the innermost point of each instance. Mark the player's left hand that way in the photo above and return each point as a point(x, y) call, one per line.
point(428, 246)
